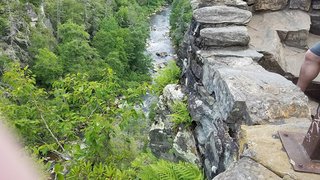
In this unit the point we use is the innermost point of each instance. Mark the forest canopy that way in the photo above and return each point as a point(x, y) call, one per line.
point(72, 74)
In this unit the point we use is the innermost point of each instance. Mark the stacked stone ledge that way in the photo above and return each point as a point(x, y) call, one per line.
point(229, 89)
point(221, 26)
point(237, 105)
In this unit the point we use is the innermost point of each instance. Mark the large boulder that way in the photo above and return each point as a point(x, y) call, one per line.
point(245, 91)
point(221, 14)
point(161, 133)
point(225, 36)
point(270, 4)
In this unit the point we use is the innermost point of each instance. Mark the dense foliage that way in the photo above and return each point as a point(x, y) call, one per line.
point(180, 19)
point(73, 92)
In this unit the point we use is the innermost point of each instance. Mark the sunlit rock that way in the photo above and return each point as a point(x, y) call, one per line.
point(270, 4)
point(241, 82)
point(236, 3)
point(262, 144)
point(245, 169)
point(221, 14)
point(225, 36)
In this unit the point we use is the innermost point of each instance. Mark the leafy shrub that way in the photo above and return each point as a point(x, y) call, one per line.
point(41, 38)
point(168, 75)
point(47, 67)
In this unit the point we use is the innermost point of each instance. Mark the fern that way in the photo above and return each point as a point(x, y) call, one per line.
point(166, 170)
point(180, 114)
point(168, 75)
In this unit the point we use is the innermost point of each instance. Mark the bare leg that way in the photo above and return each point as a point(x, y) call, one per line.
point(309, 70)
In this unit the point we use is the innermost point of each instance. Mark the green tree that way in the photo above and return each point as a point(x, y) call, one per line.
point(62, 11)
point(47, 67)
point(40, 38)
point(70, 32)
point(76, 54)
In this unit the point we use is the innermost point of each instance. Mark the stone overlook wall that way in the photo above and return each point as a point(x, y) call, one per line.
point(236, 104)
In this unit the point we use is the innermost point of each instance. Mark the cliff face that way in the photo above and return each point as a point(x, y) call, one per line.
point(16, 32)
point(232, 90)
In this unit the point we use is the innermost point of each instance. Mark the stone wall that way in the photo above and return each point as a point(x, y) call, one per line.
point(228, 87)
point(236, 102)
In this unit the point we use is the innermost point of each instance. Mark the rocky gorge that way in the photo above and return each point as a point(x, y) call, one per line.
point(235, 57)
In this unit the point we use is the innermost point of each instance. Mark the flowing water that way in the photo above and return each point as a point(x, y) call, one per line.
point(159, 47)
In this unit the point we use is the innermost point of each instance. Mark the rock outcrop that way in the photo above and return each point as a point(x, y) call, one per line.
point(166, 140)
point(22, 17)
point(233, 92)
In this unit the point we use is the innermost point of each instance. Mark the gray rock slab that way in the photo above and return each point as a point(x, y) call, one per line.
point(245, 169)
point(225, 36)
point(300, 4)
point(233, 52)
point(251, 93)
point(270, 4)
point(235, 3)
point(221, 15)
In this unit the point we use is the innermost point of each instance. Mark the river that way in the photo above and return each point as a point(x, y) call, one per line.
point(159, 47)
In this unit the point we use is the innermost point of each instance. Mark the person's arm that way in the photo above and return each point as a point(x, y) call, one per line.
point(14, 163)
